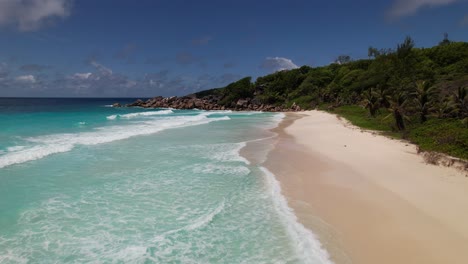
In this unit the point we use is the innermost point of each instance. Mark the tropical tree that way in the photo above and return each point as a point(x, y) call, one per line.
point(343, 59)
point(443, 108)
point(243, 88)
point(423, 98)
point(371, 102)
point(445, 41)
point(397, 109)
point(383, 94)
point(404, 49)
point(404, 64)
point(460, 99)
point(373, 52)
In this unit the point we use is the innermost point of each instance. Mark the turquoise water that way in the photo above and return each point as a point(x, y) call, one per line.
point(84, 182)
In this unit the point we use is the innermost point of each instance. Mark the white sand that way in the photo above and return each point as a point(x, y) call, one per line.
point(371, 199)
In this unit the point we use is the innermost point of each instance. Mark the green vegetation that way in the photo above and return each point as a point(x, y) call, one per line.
point(237, 90)
point(358, 116)
point(443, 135)
point(446, 135)
point(420, 94)
point(214, 91)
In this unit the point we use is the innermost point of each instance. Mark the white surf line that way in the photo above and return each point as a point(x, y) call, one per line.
point(139, 114)
point(306, 243)
point(59, 143)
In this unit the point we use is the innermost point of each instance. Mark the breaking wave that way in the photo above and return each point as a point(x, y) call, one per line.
point(140, 114)
point(58, 143)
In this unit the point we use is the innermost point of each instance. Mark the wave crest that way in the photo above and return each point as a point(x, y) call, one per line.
point(57, 143)
point(140, 114)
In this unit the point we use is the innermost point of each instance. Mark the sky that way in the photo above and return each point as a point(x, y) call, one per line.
point(144, 48)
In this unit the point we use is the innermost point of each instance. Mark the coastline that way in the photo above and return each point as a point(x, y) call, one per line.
point(368, 198)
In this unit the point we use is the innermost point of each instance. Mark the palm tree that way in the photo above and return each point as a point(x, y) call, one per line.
point(371, 102)
point(397, 109)
point(460, 101)
point(443, 108)
point(423, 98)
point(383, 94)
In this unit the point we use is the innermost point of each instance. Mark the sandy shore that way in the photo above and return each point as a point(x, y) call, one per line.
point(369, 198)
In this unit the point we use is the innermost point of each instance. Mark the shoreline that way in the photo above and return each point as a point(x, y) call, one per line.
point(368, 198)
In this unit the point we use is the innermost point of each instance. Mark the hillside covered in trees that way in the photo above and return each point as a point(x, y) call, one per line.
point(415, 93)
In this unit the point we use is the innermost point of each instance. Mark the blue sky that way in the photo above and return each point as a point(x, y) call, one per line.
point(124, 48)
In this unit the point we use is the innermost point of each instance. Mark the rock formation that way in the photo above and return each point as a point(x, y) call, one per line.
point(210, 102)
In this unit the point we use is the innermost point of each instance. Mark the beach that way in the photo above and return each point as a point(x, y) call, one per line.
point(138, 185)
point(369, 198)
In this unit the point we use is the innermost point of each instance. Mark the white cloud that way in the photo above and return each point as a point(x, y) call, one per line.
point(402, 8)
point(81, 76)
point(26, 79)
point(32, 14)
point(130, 83)
point(278, 64)
point(101, 68)
point(102, 82)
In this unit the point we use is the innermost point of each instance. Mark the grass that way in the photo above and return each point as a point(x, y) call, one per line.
point(442, 135)
point(360, 117)
point(446, 135)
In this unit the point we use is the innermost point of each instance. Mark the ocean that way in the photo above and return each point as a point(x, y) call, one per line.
point(83, 182)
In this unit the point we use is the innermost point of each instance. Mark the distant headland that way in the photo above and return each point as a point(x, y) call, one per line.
point(210, 102)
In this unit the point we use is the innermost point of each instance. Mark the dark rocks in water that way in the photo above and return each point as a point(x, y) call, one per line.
point(116, 105)
point(138, 102)
point(211, 102)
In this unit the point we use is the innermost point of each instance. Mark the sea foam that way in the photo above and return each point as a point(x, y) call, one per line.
point(205, 219)
point(57, 143)
point(308, 247)
point(220, 152)
point(140, 114)
point(210, 168)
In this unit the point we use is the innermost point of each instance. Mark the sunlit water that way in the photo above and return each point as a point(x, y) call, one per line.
point(84, 182)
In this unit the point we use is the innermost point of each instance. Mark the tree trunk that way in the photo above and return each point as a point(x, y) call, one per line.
point(399, 120)
point(423, 115)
